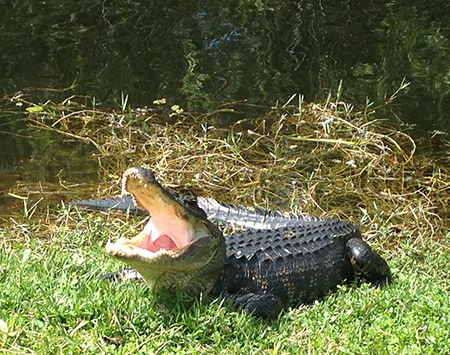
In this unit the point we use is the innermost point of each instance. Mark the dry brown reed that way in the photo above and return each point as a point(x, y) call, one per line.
point(323, 160)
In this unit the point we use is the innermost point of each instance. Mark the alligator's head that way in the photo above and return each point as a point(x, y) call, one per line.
point(179, 248)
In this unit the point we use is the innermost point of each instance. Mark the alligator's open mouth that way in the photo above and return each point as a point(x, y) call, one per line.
point(177, 241)
point(169, 227)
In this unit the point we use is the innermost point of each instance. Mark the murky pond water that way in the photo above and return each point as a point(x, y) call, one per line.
point(201, 55)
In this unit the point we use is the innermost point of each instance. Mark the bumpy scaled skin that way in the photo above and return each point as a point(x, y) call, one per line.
point(123, 205)
point(252, 218)
point(277, 261)
point(266, 270)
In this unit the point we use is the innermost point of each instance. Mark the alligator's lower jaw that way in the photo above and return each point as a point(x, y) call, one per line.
point(147, 245)
point(156, 257)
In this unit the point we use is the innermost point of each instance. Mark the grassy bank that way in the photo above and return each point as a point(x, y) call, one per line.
point(53, 303)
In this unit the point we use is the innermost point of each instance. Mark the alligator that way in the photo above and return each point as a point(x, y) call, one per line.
point(275, 262)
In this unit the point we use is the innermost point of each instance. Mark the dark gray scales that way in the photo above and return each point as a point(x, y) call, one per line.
point(256, 218)
point(123, 204)
point(267, 270)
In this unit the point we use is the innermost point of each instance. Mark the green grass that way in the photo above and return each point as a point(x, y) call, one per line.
point(52, 302)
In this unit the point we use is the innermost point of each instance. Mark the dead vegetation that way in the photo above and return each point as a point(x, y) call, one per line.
point(318, 159)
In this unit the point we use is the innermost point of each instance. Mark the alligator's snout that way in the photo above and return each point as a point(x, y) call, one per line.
point(178, 248)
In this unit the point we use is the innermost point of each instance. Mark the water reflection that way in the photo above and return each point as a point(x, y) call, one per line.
point(38, 164)
point(203, 54)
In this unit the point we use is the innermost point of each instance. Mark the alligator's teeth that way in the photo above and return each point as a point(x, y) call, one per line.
point(124, 184)
point(151, 231)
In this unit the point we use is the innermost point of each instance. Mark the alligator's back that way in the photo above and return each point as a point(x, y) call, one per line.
point(255, 218)
point(294, 264)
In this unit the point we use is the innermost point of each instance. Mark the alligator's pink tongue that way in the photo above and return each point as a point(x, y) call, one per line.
point(162, 242)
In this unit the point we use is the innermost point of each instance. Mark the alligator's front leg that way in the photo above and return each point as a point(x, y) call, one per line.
point(367, 262)
point(264, 305)
point(127, 273)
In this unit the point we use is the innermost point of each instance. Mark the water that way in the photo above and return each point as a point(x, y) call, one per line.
point(203, 54)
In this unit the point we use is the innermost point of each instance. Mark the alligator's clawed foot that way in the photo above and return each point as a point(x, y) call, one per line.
point(263, 305)
point(368, 263)
point(128, 274)
point(382, 282)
